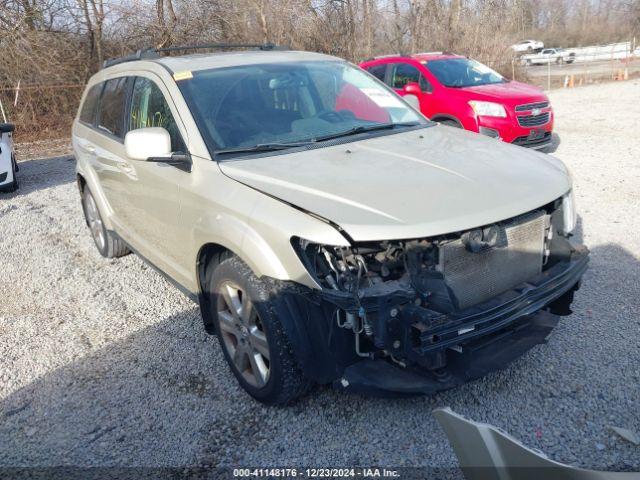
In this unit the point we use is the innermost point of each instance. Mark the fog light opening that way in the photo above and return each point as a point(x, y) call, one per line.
point(489, 132)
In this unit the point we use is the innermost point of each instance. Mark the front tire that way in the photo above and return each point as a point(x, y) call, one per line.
point(106, 242)
point(449, 123)
point(251, 336)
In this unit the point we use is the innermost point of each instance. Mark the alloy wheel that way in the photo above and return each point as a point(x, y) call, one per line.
point(95, 222)
point(243, 334)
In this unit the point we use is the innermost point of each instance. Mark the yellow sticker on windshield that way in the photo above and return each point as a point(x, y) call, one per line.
point(182, 75)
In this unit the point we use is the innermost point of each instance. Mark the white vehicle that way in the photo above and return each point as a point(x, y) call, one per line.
point(528, 46)
point(549, 55)
point(8, 164)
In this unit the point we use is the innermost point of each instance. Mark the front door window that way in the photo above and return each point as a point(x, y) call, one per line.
point(149, 108)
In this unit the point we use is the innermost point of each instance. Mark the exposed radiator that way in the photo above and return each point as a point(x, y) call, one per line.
point(516, 257)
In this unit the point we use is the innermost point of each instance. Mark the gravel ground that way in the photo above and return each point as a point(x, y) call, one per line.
point(103, 363)
point(51, 147)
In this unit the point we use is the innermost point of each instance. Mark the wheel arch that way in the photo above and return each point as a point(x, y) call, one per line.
point(265, 263)
point(82, 183)
point(84, 180)
point(80, 180)
point(438, 117)
point(209, 256)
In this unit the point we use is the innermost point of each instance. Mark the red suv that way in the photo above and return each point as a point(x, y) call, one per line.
point(461, 92)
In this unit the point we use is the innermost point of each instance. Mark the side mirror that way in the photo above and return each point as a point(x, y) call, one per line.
point(145, 143)
point(411, 94)
point(153, 144)
point(7, 127)
point(412, 88)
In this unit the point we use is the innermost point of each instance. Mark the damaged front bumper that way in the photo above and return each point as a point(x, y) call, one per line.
point(411, 349)
point(475, 359)
point(449, 350)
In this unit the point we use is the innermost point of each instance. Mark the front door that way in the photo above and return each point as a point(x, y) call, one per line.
point(152, 193)
point(402, 74)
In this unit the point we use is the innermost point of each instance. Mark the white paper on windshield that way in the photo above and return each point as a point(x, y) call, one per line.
point(382, 98)
point(479, 67)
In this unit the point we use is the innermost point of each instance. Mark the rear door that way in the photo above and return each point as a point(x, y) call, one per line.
point(104, 145)
point(379, 71)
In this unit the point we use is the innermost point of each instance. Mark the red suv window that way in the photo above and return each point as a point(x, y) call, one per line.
point(378, 71)
point(403, 73)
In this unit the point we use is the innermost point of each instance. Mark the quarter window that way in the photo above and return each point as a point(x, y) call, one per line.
point(149, 108)
point(88, 111)
point(112, 106)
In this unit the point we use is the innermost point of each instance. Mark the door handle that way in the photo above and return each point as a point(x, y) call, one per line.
point(88, 148)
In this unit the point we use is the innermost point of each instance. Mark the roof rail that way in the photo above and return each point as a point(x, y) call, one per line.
point(224, 46)
point(143, 54)
point(390, 55)
point(151, 53)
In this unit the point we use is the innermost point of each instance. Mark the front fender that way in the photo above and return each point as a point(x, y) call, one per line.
point(240, 238)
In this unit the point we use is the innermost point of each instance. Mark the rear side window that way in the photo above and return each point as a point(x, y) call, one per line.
point(112, 104)
point(378, 71)
point(88, 111)
point(149, 108)
point(404, 73)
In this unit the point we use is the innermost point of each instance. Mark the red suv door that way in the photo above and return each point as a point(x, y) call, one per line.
point(403, 77)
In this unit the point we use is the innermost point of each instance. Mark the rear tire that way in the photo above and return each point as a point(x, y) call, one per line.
point(106, 242)
point(251, 336)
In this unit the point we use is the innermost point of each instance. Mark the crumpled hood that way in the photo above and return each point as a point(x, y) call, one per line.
point(413, 184)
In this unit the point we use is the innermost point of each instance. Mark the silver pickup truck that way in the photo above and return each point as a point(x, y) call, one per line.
point(549, 55)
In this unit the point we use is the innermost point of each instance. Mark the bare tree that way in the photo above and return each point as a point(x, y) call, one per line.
point(94, 17)
point(167, 21)
point(57, 44)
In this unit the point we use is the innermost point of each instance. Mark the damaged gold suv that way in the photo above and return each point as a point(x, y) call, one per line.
point(329, 232)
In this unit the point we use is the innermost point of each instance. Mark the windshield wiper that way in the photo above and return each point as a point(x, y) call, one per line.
point(363, 129)
point(504, 80)
point(272, 147)
point(263, 147)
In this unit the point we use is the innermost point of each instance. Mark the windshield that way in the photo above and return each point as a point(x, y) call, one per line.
point(463, 72)
point(287, 104)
